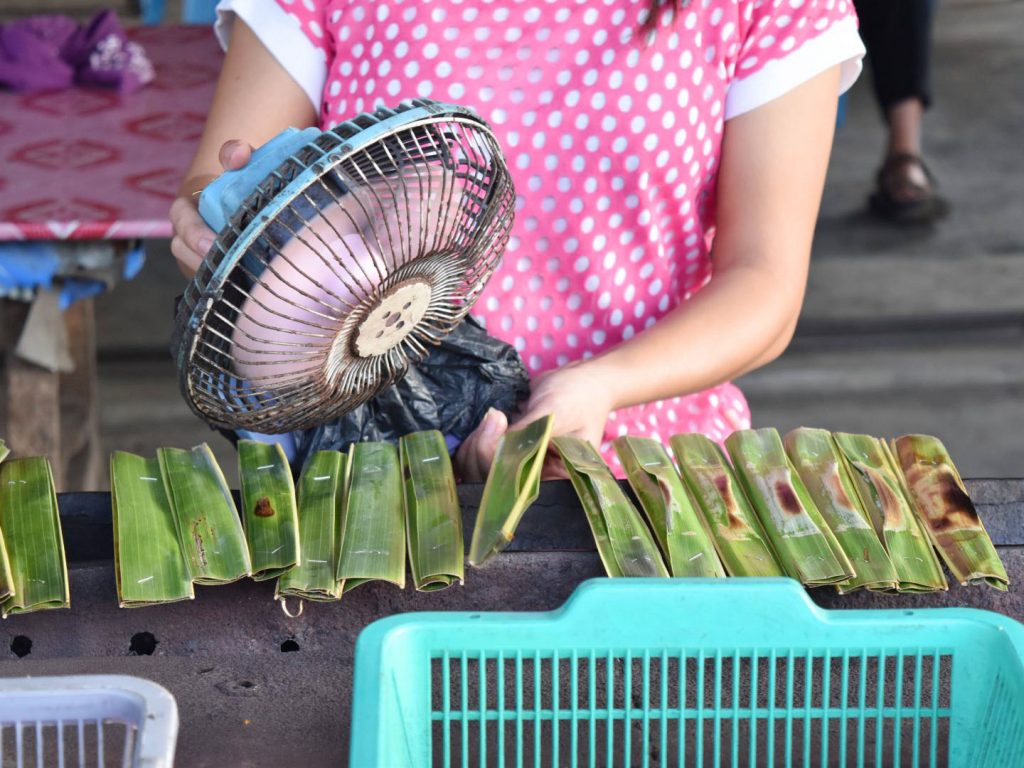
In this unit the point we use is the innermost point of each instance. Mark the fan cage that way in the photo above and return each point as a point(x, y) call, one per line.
point(306, 374)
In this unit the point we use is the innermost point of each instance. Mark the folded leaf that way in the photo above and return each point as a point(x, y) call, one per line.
point(513, 484)
point(268, 508)
point(671, 511)
point(883, 495)
point(947, 512)
point(372, 542)
point(624, 543)
point(209, 529)
point(30, 522)
point(433, 517)
point(738, 536)
point(314, 578)
point(148, 564)
point(805, 545)
point(6, 578)
point(827, 478)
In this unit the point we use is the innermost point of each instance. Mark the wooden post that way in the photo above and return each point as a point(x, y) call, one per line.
point(29, 397)
point(81, 451)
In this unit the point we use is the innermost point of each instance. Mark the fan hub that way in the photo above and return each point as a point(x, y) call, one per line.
point(396, 314)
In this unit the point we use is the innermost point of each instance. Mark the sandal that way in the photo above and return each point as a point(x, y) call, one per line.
point(902, 200)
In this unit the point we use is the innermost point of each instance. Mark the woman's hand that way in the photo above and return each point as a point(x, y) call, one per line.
point(192, 238)
point(579, 396)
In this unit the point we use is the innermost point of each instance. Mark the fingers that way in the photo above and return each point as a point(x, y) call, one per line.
point(476, 454)
point(234, 154)
point(192, 238)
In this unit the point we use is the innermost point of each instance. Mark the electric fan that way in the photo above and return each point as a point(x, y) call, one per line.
point(342, 257)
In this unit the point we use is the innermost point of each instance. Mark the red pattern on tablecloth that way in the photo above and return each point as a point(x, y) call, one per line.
point(86, 164)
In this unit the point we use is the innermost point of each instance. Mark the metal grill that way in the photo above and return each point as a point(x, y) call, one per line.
point(348, 262)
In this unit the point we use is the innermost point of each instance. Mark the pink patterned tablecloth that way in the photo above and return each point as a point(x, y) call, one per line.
point(91, 164)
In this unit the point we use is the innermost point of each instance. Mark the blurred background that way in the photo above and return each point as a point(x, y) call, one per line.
point(904, 329)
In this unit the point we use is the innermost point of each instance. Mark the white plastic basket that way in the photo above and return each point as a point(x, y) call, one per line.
point(88, 720)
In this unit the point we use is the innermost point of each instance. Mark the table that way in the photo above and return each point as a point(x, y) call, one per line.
point(257, 688)
point(87, 166)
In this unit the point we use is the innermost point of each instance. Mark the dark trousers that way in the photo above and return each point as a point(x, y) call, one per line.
point(898, 36)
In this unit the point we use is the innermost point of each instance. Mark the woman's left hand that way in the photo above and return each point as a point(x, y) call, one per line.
point(579, 396)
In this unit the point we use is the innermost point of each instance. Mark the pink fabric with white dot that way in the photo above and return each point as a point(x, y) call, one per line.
point(613, 143)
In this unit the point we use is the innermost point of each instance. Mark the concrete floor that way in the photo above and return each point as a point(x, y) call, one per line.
point(902, 331)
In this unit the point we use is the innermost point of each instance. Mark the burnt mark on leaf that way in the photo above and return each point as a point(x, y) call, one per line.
point(731, 504)
point(263, 507)
point(197, 537)
point(957, 509)
point(836, 489)
point(787, 498)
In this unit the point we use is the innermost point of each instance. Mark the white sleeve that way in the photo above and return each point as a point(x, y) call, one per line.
point(839, 44)
point(282, 34)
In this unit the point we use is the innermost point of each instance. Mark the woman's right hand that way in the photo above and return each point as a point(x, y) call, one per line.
point(192, 238)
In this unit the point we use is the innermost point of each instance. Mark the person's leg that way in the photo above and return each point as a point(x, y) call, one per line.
point(897, 35)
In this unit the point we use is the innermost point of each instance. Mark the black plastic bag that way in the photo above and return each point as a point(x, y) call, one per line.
point(449, 390)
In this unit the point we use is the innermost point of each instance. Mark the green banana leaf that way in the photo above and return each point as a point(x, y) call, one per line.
point(314, 578)
point(30, 522)
point(433, 517)
point(624, 543)
point(270, 516)
point(372, 542)
point(6, 578)
point(513, 484)
point(209, 529)
point(148, 564)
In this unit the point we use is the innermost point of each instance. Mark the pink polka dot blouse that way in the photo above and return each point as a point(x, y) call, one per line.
point(613, 139)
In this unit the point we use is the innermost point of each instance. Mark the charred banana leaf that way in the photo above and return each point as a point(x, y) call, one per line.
point(804, 543)
point(671, 511)
point(827, 478)
point(735, 530)
point(883, 495)
point(947, 512)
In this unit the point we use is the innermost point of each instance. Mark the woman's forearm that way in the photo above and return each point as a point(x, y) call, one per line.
point(743, 319)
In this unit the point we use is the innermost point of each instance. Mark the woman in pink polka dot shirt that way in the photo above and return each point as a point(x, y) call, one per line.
point(668, 156)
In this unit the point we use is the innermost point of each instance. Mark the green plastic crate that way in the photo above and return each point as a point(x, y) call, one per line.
point(694, 672)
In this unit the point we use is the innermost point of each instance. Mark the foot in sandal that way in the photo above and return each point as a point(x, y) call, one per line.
point(905, 192)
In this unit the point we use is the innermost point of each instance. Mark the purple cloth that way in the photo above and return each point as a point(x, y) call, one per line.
point(55, 52)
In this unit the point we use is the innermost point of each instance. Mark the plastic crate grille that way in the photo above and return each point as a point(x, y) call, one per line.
point(1002, 716)
point(694, 708)
point(79, 743)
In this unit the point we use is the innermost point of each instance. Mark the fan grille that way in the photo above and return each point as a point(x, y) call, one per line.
point(347, 263)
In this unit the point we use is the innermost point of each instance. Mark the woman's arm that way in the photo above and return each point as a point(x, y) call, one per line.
point(255, 100)
point(770, 182)
point(769, 190)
